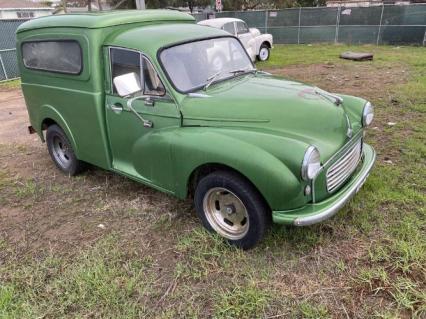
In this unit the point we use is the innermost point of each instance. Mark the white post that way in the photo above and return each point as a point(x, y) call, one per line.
point(3, 68)
point(380, 25)
point(266, 21)
point(336, 34)
point(424, 39)
point(298, 29)
point(140, 4)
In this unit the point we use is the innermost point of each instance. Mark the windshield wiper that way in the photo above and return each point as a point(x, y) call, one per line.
point(212, 78)
point(234, 72)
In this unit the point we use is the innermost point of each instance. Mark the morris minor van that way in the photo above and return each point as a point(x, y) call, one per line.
point(136, 93)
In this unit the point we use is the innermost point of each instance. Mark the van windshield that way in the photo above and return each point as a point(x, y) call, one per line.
point(194, 65)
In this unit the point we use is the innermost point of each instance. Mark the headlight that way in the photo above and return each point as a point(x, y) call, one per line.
point(311, 164)
point(367, 114)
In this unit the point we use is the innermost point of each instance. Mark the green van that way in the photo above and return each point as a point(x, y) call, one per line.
point(180, 107)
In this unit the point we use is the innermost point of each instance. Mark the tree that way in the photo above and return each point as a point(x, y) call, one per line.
point(123, 4)
point(64, 5)
point(153, 4)
point(235, 5)
point(190, 4)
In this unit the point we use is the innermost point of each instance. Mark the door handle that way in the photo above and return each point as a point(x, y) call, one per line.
point(149, 101)
point(116, 108)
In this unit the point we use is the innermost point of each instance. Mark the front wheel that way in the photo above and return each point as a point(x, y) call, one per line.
point(264, 52)
point(230, 206)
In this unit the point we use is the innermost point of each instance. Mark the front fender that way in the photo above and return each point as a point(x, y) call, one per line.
point(193, 147)
point(354, 106)
point(263, 38)
point(49, 112)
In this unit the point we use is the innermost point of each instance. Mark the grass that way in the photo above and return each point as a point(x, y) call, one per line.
point(310, 311)
point(12, 84)
point(247, 301)
point(290, 54)
point(151, 258)
point(100, 281)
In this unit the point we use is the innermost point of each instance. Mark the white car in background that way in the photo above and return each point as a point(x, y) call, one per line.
point(257, 45)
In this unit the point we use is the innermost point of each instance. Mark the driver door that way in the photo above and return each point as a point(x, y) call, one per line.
point(139, 150)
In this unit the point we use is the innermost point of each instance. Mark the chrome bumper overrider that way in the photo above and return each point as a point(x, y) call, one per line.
point(315, 213)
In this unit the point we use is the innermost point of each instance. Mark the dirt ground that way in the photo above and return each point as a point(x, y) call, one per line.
point(358, 79)
point(27, 158)
point(63, 215)
point(14, 118)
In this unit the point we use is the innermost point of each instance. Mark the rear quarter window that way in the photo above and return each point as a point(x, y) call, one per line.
point(229, 27)
point(242, 27)
point(55, 56)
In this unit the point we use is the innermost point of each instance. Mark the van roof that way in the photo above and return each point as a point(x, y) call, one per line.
point(158, 36)
point(103, 19)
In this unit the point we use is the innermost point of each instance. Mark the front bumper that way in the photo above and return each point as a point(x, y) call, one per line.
point(315, 213)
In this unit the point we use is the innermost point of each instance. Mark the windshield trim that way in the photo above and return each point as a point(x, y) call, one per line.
point(195, 89)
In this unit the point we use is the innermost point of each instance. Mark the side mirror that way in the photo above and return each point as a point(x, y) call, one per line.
point(127, 84)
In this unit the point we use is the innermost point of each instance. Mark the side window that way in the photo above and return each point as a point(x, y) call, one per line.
point(126, 61)
point(54, 56)
point(229, 27)
point(123, 62)
point(152, 83)
point(242, 27)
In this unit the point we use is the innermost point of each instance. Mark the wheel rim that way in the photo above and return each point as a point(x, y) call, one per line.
point(61, 152)
point(226, 213)
point(263, 54)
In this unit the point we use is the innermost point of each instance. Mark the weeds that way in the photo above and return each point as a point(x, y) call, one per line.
point(154, 260)
point(310, 311)
point(247, 301)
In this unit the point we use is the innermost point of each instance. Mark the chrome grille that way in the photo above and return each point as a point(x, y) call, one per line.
point(343, 167)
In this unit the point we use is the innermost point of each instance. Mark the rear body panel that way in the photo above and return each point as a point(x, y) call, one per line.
point(77, 102)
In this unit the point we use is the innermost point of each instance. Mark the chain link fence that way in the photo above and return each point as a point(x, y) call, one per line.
point(8, 65)
point(385, 24)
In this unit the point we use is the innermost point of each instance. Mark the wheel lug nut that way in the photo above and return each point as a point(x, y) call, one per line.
point(229, 209)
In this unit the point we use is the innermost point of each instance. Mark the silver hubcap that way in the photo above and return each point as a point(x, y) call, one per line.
point(61, 152)
point(263, 54)
point(226, 213)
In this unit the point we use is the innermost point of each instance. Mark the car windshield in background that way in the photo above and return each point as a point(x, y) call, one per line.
point(195, 65)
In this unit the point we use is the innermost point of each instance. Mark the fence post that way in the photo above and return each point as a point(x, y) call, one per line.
point(336, 33)
point(266, 21)
point(298, 29)
point(380, 25)
point(3, 68)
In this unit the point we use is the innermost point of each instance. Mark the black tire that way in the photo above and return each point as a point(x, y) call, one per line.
point(257, 212)
point(61, 151)
point(264, 48)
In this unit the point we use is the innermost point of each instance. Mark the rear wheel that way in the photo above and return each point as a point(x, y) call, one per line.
point(230, 206)
point(61, 151)
point(264, 52)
